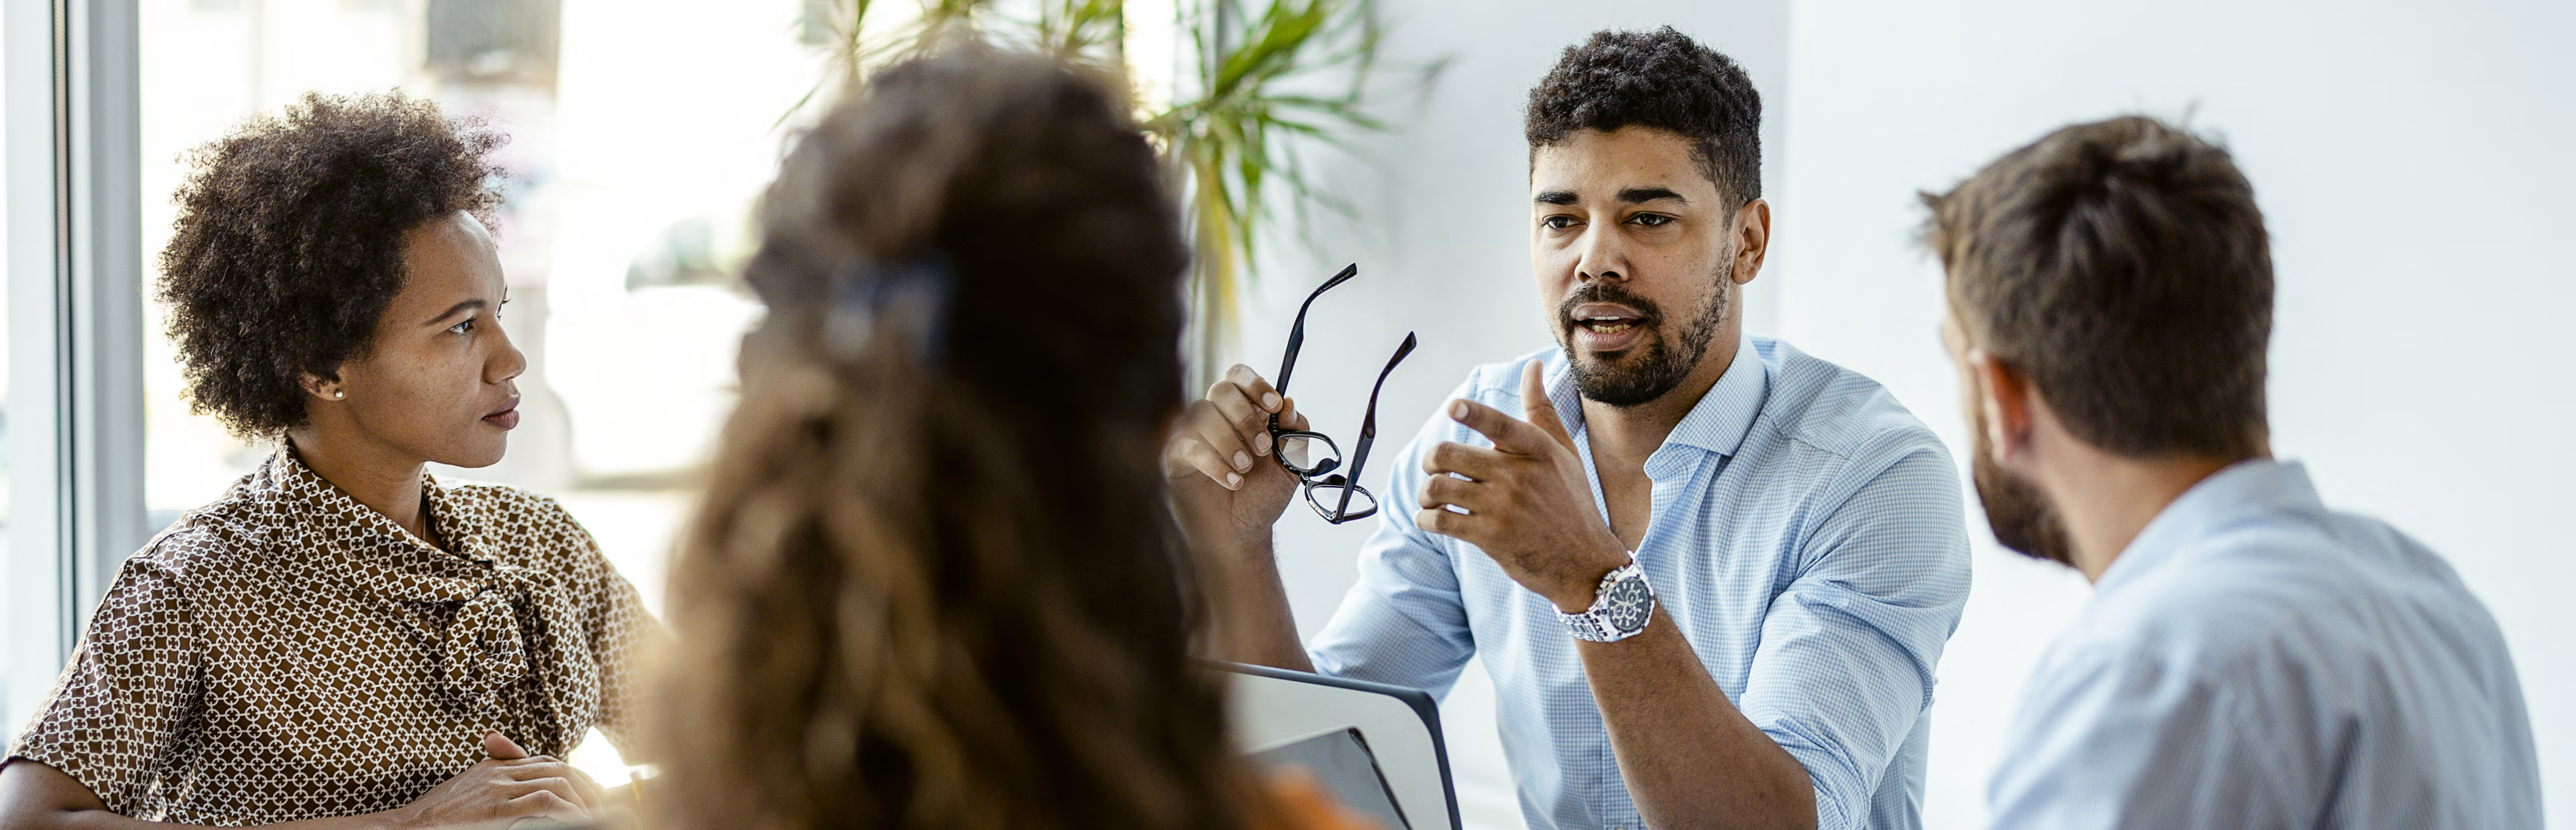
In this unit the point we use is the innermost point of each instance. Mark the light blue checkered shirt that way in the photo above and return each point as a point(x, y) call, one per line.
point(1806, 537)
point(2254, 660)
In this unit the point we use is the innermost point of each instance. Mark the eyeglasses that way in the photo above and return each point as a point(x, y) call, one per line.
point(1322, 484)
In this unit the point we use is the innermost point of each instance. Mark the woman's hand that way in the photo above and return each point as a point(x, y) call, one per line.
point(509, 786)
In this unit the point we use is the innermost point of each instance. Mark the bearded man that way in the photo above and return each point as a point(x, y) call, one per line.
point(1710, 574)
point(2249, 658)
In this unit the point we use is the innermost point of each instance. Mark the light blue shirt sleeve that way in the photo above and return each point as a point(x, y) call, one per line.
point(1845, 666)
point(1405, 622)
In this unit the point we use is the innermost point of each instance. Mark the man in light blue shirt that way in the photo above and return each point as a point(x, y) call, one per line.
point(1710, 575)
point(2250, 659)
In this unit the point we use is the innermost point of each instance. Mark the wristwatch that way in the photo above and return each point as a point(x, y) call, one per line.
point(1619, 610)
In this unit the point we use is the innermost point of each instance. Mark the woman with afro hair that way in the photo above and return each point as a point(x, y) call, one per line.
point(342, 640)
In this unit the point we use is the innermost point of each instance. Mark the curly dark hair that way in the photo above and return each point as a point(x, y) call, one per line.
point(289, 242)
point(933, 581)
point(1661, 79)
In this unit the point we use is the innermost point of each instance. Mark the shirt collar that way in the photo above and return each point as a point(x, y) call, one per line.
point(2253, 487)
point(1718, 423)
point(350, 524)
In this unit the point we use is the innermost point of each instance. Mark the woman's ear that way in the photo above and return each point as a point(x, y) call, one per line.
point(326, 388)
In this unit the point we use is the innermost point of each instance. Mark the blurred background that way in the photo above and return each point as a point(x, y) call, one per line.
point(2412, 160)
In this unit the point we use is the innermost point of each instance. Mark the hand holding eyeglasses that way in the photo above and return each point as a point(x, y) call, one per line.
point(1241, 452)
point(1219, 457)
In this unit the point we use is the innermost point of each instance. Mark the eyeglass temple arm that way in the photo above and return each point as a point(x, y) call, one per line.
point(1368, 425)
point(1297, 330)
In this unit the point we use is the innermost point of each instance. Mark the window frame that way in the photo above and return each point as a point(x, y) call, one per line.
point(69, 84)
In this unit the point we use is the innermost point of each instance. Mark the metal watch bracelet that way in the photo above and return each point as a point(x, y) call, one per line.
point(1620, 609)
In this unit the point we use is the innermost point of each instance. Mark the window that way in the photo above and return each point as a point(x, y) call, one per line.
point(641, 132)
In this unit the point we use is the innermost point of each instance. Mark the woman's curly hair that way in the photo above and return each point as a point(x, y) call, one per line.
point(289, 242)
point(933, 583)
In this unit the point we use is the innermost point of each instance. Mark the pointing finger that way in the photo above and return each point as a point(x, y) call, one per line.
point(1509, 434)
point(1538, 409)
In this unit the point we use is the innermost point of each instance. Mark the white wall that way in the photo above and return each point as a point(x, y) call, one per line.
point(2413, 161)
point(1443, 250)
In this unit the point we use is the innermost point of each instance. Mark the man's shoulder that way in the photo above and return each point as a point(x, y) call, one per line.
point(2289, 596)
point(1824, 406)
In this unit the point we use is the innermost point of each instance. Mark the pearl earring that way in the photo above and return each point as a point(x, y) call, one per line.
point(337, 394)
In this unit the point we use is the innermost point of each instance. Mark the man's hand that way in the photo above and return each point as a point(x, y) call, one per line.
point(512, 785)
point(1528, 504)
point(1229, 487)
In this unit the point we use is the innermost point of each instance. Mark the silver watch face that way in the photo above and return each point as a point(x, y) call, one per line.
point(1630, 604)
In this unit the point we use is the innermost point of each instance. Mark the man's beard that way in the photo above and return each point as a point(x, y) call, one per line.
point(1653, 367)
point(2016, 510)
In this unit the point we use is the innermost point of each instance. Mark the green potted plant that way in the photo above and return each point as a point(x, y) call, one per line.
point(1257, 85)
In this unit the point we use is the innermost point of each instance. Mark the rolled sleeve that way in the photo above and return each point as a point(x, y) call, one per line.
point(1844, 671)
point(114, 718)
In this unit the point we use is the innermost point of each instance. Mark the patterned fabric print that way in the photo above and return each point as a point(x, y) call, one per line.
point(288, 653)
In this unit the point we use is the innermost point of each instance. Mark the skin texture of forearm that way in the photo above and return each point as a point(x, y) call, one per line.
point(34, 796)
point(1691, 760)
point(1251, 620)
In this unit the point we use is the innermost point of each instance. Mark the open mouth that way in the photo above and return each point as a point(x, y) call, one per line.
point(1607, 324)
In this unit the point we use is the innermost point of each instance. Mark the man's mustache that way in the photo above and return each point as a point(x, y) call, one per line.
point(1649, 314)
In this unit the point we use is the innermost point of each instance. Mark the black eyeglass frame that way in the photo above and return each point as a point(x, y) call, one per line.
point(1320, 474)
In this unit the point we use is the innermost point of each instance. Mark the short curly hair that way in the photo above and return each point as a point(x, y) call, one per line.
point(289, 242)
point(1661, 79)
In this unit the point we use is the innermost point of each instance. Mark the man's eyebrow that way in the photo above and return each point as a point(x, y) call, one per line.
point(1642, 195)
point(1555, 197)
point(452, 311)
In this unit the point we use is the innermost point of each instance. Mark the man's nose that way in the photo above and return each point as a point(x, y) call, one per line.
point(1601, 257)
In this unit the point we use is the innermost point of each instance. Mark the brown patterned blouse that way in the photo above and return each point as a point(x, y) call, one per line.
point(288, 653)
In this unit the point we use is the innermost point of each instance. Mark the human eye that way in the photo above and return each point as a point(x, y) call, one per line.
point(464, 327)
point(1652, 220)
point(1558, 222)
